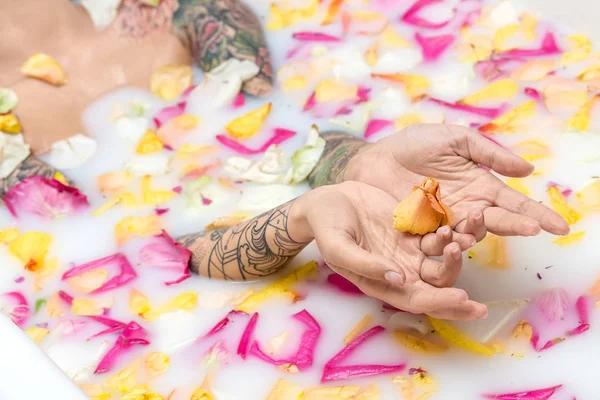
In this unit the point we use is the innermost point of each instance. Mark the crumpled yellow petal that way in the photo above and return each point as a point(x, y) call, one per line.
point(88, 281)
point(37, 334)
point(154, 197)
point(127, 199)
point(141, 392)
point(491, 251)
point(9, 123)
point(580, 47)
point(475, 48)
point(138, 303)
point(278, 288)
point(280, 18)
point(249, 124)
point(589, 196)
point(408, 119)
point(201, 394)
point(95, 391)
point(570, 239)
point(533, 70)
point(581, 120)
point(559, 204)
point(528, 23)
point(31, 248)
point(193, 150)
point(169, 81)
point(414, 85)
point(511, 121)
point(61, 178)
point(455, 337)
point(518, 185)
point(284, 390)
point(390, 38)
point(418, 344)
point(45, 68)
point(503, 34)
point(502, 89)
point(126, 379)
point(130, 227)
point(531, 150)
point(358, 329)
point(8, 235)
point(156, 363)
point(149, 143)
point(522, 331)
point(334, 90)
point(90, 307)
point(113, 183)
point(54, 306)
point(184, 301)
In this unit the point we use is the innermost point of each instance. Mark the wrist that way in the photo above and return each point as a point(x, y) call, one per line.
point(299, 228)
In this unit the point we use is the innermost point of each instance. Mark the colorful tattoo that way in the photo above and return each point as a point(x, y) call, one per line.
point(339, 150)
point(250, 250)
point(137, 20)
point(217, 30)
point(31, 166)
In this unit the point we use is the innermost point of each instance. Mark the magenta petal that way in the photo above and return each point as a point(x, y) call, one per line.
point(166, 114)
point(223, 323)
point(133, 334)
point(161, 211)
point(125, 274)
point(343, 284)
point(186, 93)
point(548, 47)
point(310, 102)
point(45, 197)
point(20, 307)
point(239, 101)
point(314, 37)
point(433, 46)
point(362, 94)
point(258, 353)
point(579, 330)
point(163, 252)
point(375, 125)
point(351, 347)
point(483, 111)
point(67, 298)
point(533, 93)
point(279, 135)
point(411, 16)
point(242, 349)
point(583, 312)
point(351, 371)
point(539, 394)
point(113, 325)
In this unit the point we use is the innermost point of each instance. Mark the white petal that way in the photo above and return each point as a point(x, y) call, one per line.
point(77, 359)
point(131, 129)
point(393, 61)
point(407, 321)
point(102, 12)
point(453, 82)
point(150, 164)
point(351, 65)
point(356, 120)
point(13, 150)
point(273, 161)
point(72, 152)
point(176, 329)
point(504, 14)
point(391, 103)
point(257, 199)
point(224, 82)
point(8, 100)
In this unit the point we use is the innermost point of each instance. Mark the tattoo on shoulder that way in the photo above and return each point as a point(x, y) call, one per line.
point(339, 149)
point(218, 30)
point(137, 20)
point(31, 166)
point(252, 249)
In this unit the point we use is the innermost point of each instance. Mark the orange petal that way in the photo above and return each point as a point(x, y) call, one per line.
point(88, 281)
point(589, 196)
point(358, 329)
point(491, 251)
point(54, 306)
point(248, 125)
point(523, 331)
point(562, 94)
point(332, 11)
point(45, 68)
point(334, 90)
point(169, 81)
point(113, 183)
point(511, 121)
point(194, 150)
point(421, 212)
point(415, 85)
point(31, 249)
point(533, 70)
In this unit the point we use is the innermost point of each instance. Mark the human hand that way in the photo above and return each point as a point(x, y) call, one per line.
point(352, 226)
point(453, 154)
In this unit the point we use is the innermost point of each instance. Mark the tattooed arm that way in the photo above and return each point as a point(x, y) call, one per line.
point(251, 249)
point(31, 166)
point(217, 30)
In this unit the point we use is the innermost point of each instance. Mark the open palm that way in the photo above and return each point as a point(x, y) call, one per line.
point(454, 155)
point(352, 226)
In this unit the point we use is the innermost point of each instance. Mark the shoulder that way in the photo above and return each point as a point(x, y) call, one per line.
point(137, 19)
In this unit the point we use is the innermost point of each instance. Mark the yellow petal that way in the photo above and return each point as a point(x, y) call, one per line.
point(193, 150)
point(581, 120)
point(156, 364)
point(531, 150)
point(113, 183)
point(390, 38)
point(518, 185)
point(88, 281)
point(503, 89)
point(154, 197)
point(491, 251)
point(54, 306)
point(279, 288)
point(332, 11)
point(31, 249)
point(589, 73)
point(533, 70)
point(421, 212)
point(44, 272)
point(138, 303)
point(8, 235)
point(149, 143)
point(277, 342)
point(371, 55)
point(283, 390)
point(61, 178)
point(455, 337)
point(141, 393)
point(559, 204)
point(90, 307)
point(589, 196)
point(580, 46)
point(404, 387)
point(37, 334)
point(280, 18)
point(94, 391)
point(502, 34)
point(130, 227)
point(45, 68)
point(331, 393)
point(418, 344)
point(415, 85)
point(528, 23)
point(184, 301)
point(522, 331)
point(9, 123)
point(334, 90)
point(186, 121)
point(511, 121)
point(570, 239)
point(201, 394)
point(296, 82)
point(249, 124)
point(475, 48)
point(126, 379)
point(408, 119)
point(127, 199)
point(169, 81)
point(358, 329)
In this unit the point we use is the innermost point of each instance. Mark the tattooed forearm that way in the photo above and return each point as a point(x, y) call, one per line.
point(249, 250)
point(218, 30)
point(31, 166)
point(339, 150)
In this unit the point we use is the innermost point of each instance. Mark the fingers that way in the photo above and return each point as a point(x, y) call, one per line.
point(475, 225)
point(466, 311)
point(433, 244)
point(516, 202)
point(346, 254)
point(505, 223)
point(484, 151)
point(443, 274)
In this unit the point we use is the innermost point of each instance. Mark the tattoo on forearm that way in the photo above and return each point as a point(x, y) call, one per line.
point(339, 149)
point(217, 30)
point(31, 166)
point(249, 250)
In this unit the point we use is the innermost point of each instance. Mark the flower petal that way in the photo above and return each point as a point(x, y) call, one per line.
point(169, 81)
point(45, 68)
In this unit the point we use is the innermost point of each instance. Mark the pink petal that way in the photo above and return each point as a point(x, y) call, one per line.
point(315, 37)
point(20, 308)
point(343, 284)
point(125, 272)
point(161, 211)
point(411, 16)
point(583, 312)
point(242, 349)
point(483, 111)
point(548, 47)
point(433, 46)
point(163, 252)
point(539, 394)
point(362, 94)
point(279, 136)
point(168, 113)
point(45, 197)
point(239, 101)
point(133, 334)
point(186, 93)
point(310, 102)
point(113, 325)
point(553, 303)
point(223, 323)
point(375, 125)
point(350, 371)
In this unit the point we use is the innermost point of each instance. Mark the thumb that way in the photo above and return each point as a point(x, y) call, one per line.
point(343, 252)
